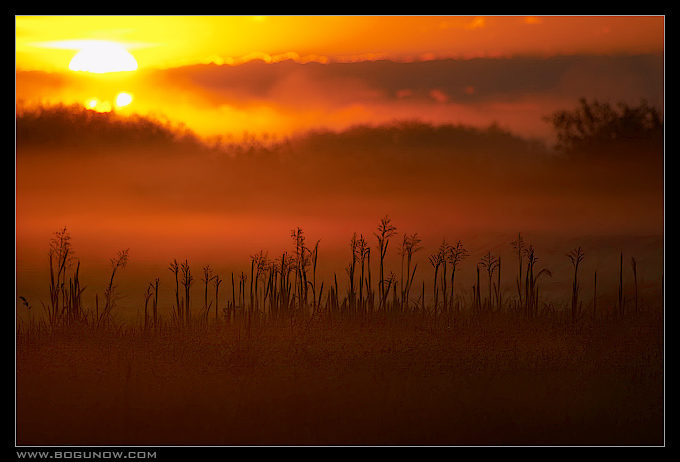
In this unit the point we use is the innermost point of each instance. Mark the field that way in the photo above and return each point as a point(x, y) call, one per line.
point(339, 231)
point(277, 356)
point(217, 324)
point(492, 380)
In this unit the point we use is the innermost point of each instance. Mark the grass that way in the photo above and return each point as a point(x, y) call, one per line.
point(271, 369)
point(369, 383)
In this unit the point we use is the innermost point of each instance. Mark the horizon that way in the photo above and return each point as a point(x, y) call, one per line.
point(282, 75)
point(445, 131)
point(441, 230)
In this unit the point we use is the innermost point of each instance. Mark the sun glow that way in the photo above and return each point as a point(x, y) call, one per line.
point(91, 103)
point(123, 99)
point(103, 57)
point(95, 104)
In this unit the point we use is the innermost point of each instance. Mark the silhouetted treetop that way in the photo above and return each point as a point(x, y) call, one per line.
point(599, 129)
point(414, 137)
point(75, 126)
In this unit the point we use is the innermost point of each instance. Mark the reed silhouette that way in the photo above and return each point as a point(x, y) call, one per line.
point(297, 355)
point(250, 337)
point(576, 256)
point(288, 287)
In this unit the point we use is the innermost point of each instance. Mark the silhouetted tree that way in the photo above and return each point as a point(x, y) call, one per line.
point(599, 129)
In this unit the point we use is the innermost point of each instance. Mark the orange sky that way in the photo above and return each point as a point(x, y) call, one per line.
point(164, 42)
point(299, 73)
point(167, 41)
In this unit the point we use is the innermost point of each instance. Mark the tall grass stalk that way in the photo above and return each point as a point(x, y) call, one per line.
point(490, 263)
point(531, 284)
point(233, 300)
point(314, 258)
point(147, 297)
point(60, 257)
point(385, 231)
point(444, 249)
point(187, 282)
point(110, 296)
point(456, 255)
point(174, 268)
point(302, 262)
point(285, 286)
point(364, 256)
point(499, 293)
point(208, 276)
point(155, 303)
point(391, 283)
point(72, 304)
point(409, 246)
point(576, 256)
point(518, 246)
point(435, 261)
point(251, 307)
point(243, 279)
point(217, 281)
point(260, 266)
point(351, 268)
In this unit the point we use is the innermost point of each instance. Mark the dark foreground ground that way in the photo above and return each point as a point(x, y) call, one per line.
point(502, 383)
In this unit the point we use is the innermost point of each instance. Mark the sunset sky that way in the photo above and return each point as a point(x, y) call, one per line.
point(236, 230)
point(279, 77)
point(168, 49)
point(45, 43)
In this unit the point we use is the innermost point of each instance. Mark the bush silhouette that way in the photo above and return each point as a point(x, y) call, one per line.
point(598, 129)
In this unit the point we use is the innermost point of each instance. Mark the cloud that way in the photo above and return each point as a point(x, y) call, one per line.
point(492, 77)
point(287, 95)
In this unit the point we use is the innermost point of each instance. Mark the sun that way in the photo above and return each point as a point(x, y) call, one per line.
point(103, 57)
point(123, 99)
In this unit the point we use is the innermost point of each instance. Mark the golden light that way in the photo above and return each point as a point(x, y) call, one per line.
point(101, 57)
point(123, 99)
point(92, 103)
point(95, 104)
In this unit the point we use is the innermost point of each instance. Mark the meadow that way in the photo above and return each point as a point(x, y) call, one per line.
point(285, 361)
point(188, 308)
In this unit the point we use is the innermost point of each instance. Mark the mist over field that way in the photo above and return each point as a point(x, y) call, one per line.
point(378, 383)
point(338, 230)
point(161, 191)
point(540, 181)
